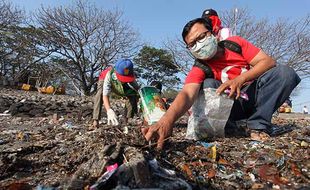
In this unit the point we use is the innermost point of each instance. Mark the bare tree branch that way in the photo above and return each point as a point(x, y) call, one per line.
point(90, 37)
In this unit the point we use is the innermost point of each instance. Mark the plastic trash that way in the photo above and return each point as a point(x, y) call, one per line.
point(22, 136)
point(167, 178)
point(69, 125)
point(5, 113)
point(3, 141)
point(242, 94)
point(104, 178)
point(41, 187)
point(152, 105)
point(209, 115)
point(125, 131)
point(206, 144)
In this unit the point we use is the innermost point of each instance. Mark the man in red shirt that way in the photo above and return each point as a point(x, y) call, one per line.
point(268, 85)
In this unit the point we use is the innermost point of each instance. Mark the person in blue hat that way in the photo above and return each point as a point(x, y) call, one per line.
point(120, 80)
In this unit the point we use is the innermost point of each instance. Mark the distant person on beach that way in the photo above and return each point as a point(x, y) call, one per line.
point(305, 110)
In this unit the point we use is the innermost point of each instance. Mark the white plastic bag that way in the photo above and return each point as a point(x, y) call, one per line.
point(209, 115)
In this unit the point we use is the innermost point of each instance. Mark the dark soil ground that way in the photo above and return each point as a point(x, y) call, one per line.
point(42, 152)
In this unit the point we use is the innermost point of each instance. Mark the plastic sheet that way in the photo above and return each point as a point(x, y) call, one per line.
point(209, 115)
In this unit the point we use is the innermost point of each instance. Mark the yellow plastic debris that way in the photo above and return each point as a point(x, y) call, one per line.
point(26, 87)
point(304, 144)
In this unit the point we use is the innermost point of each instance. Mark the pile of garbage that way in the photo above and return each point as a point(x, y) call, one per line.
point(32, 104)
point(59, 152)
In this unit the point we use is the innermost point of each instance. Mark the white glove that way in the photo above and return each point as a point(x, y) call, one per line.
point(112, 117)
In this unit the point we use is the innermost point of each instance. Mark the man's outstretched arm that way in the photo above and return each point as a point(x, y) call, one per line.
point(163, 128)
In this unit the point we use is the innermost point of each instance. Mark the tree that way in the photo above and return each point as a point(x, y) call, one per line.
point(88, 39)
point(156, 64)
point(288, 42)
point(10, 16)
point(182, 58)
point(21, 50)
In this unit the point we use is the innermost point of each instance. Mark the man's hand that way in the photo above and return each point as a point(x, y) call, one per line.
point(163, 128)
point(112, 119)
point(260, 64)
point(160, 130)
point(234, 85)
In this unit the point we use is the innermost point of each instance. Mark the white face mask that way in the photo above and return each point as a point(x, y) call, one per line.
point(205, 49)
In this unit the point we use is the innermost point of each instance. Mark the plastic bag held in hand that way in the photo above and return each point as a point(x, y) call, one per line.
point(112, 119)
point(209, 115)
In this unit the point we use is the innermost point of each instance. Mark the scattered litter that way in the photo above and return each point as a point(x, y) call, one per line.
point(104, 178)
point(125, 130)
point(304, 144)
point(168, 179)
point(5, 114)
point(206, 144)
point(69, 125)
point(252, 177)
point(41, 187)
point(22, 136)
point(154, 164)
point(3, 141)
point(47, 156)
point(257, 186)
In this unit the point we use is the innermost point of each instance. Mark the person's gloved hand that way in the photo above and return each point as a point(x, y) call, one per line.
point(112, 119)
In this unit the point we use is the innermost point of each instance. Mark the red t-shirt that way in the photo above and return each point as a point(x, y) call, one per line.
point(229, 66)
point(104, 73)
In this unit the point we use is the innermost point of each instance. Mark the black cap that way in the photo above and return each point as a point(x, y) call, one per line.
point(208, 12)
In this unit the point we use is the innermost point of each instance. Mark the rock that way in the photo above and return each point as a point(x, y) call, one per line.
point(36, 112)
point(25, 108)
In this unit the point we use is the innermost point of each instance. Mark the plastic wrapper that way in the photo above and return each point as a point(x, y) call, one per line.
point(105, 177)
point(152, 105)
point(209, 115)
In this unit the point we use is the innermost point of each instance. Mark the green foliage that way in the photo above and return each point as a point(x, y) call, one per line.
point(156, 64)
